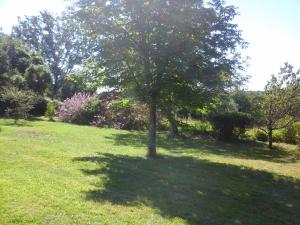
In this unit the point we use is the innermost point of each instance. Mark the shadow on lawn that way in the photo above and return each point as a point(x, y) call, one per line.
point(250, 150)
point(198, 191)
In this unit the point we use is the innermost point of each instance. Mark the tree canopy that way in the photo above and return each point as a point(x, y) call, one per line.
point(57, 39)
point(157, 47)
point(21, 68)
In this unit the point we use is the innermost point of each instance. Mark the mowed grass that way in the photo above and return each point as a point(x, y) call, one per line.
point(55, 173)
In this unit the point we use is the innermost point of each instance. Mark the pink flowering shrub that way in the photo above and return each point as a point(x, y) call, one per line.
point(72, 109)
point(104, 111)
point(121, 114)
point(134, 117)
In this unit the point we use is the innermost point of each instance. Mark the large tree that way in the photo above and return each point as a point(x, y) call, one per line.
point(282, 100)
point(159, 46)
point(54, 37)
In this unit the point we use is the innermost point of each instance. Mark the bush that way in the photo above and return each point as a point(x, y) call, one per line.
point(164, 124)
point(51, 110)
point(90, 110)
point(38, 109)
point(18, 103)
point(121, 114)
point(40, 106)
point(196, 127)
point(288, 135)
point(103, 117)
point(105, 112)
point(230, 125)
point(278, 136)
point(261, 135)
point(291, 134)
point(125, 114)
point(72, 109)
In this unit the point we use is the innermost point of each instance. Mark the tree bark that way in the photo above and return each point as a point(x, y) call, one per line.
point(152, 128)
point(270, 138)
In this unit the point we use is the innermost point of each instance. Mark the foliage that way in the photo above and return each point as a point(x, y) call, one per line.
point(126, 115)
point(121, 114)
point(72, 108)
point(54, 37)
point(230, 125)
point(159, 57)
point(83, 79)
point(282, 100)
point(250, 102)
point(116, 112)
point(15, 58)
point(291, 134)
point(89, 111)
point(261, 135)
point(196, 127)
point(39, 107)
point(51, 110)
point(22, 69)
point(18, 102)
point(38, 79)
point(278, 136)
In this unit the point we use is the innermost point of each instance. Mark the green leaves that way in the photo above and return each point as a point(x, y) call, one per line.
point(18, 103)
point(157, 45)
point(282, 98)
point(21, 68)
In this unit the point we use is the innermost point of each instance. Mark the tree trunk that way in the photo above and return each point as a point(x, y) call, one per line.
point(152, 128)
point(270, 138)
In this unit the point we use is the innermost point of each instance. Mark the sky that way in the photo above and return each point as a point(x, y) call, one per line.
point(11, 9)
point(271, 27)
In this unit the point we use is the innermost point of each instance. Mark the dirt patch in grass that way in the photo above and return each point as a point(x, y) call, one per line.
point(31, 133)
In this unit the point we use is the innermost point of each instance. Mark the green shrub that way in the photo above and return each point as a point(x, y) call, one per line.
point(40, 106)
point(164, 124)
point(128, 115)
point(18, 103)
point(260, 135)
point(88, 113)
point(51, 110)
point(288, 135)
point(121, 104)
point(230, 125)
point(278, 136)
point(196, 127)
point(291, 134)
point(122, 114)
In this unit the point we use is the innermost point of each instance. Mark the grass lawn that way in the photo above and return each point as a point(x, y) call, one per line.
point(61, 174)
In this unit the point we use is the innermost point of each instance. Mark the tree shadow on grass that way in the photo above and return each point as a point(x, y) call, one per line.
point(247, 150)
point(198, 191)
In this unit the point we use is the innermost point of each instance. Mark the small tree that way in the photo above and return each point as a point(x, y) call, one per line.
point(18, 102)
point(282, 100)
